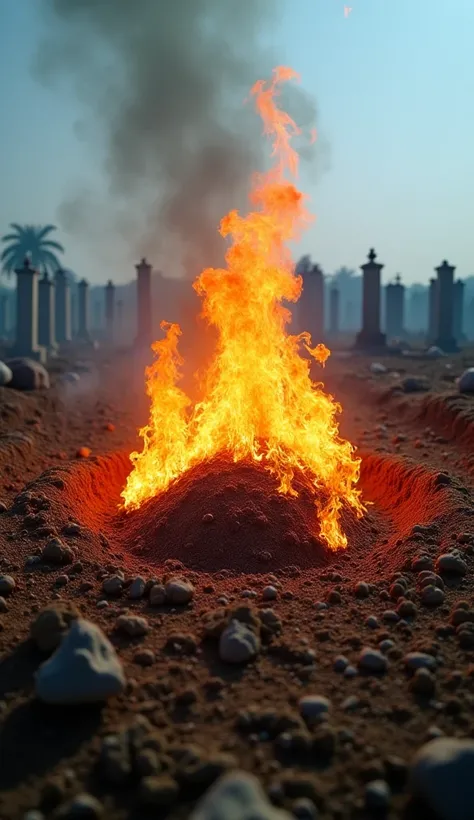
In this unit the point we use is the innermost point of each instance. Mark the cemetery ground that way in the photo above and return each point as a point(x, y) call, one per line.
point(221, 634)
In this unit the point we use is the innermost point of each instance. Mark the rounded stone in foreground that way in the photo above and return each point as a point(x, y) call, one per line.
point(7, 584)
point(85, 668)
point(466, 382)
point(178, 591)
point(442, 776)
point(372, 661)
point(238, 643)
point(313, 706)
point(237, 796)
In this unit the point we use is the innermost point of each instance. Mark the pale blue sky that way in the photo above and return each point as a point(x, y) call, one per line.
point(394, 84)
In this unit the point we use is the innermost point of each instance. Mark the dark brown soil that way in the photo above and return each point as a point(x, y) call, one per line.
point(225, 528)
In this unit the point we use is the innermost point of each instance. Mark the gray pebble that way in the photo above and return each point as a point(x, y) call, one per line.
point(137, 588)
point(340, 664)
point(377, 795)
point(442, 776)
point(238, 643)
point(178, 591)
point(432, 596)
point(451, 564)
point(419, 660)
point(7, 584)
point(372, 661)
point(313, 706)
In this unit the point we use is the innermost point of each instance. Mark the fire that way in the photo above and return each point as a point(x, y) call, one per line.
point(259, 400)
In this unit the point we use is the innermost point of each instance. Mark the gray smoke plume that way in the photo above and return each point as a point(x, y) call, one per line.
point(164, 84)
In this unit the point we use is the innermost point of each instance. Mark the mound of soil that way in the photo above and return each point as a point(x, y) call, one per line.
point(230, 516)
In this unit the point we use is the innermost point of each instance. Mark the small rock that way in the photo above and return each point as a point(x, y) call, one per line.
point(377, 795)
point(144, 657)
point(113, 585)
point(419, 660)
point(406, 609)
point(361, 590)
point(377, 368)
point(451, 564)
point(27, 374)
point(179, 592)
point(269, 593)
point(465, 383)
point(83, 452)
point(442, 776)
point(304, 809)
point(423, 683)
point(372, 622)
point(313, 707)
point(340, 664)
point(372, 661)
point(238, 643)
point(414, 384)
point(81, 807)
point(422, 562)
point(158, 790)
point(237, 796)
point(7, 584)
point(84, 669)
point(132, 625)
point(6, 374)
point(432, 596)
point(50, 626)
point(157, 595)
point(55, 552)
point(137, 588)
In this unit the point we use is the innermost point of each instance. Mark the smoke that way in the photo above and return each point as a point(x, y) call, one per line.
point(163, 85)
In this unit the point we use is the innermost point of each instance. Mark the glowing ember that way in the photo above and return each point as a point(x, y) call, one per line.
point(259, 401)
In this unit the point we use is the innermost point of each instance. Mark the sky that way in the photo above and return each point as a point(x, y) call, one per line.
point(394, 85)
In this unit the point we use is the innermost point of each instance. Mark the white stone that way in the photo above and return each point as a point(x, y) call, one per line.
point(237, 796)
point(465, 383)
point(85, 668)
point(6, 374)
point(238, 644)
point(442, 776)
point(435, 352)
point(377, 368)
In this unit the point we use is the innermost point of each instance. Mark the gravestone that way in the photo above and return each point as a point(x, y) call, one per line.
point(46, 314)
point(144, 304)
point(458, 311)
point(312, 303)
point(62, 313)
point(395, 309)
point(370, 337)
point(445, 308)
point(26, 341)
point(110, 311)
point(83, 311)
point(432, 309)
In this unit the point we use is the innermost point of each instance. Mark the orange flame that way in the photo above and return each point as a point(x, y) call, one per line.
point(259, 401)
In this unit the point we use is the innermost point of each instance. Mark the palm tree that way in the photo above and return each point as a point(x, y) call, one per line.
point(34, 242)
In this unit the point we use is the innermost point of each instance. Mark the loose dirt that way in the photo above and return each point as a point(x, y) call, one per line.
point(224, 529)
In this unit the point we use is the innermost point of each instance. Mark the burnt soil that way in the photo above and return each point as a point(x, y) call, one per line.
point(226, 529)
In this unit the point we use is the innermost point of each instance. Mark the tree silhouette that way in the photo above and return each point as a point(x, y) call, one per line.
point(34, 242)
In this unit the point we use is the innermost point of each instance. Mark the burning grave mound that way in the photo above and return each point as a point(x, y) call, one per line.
point(259, 403)
point(226, 515)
